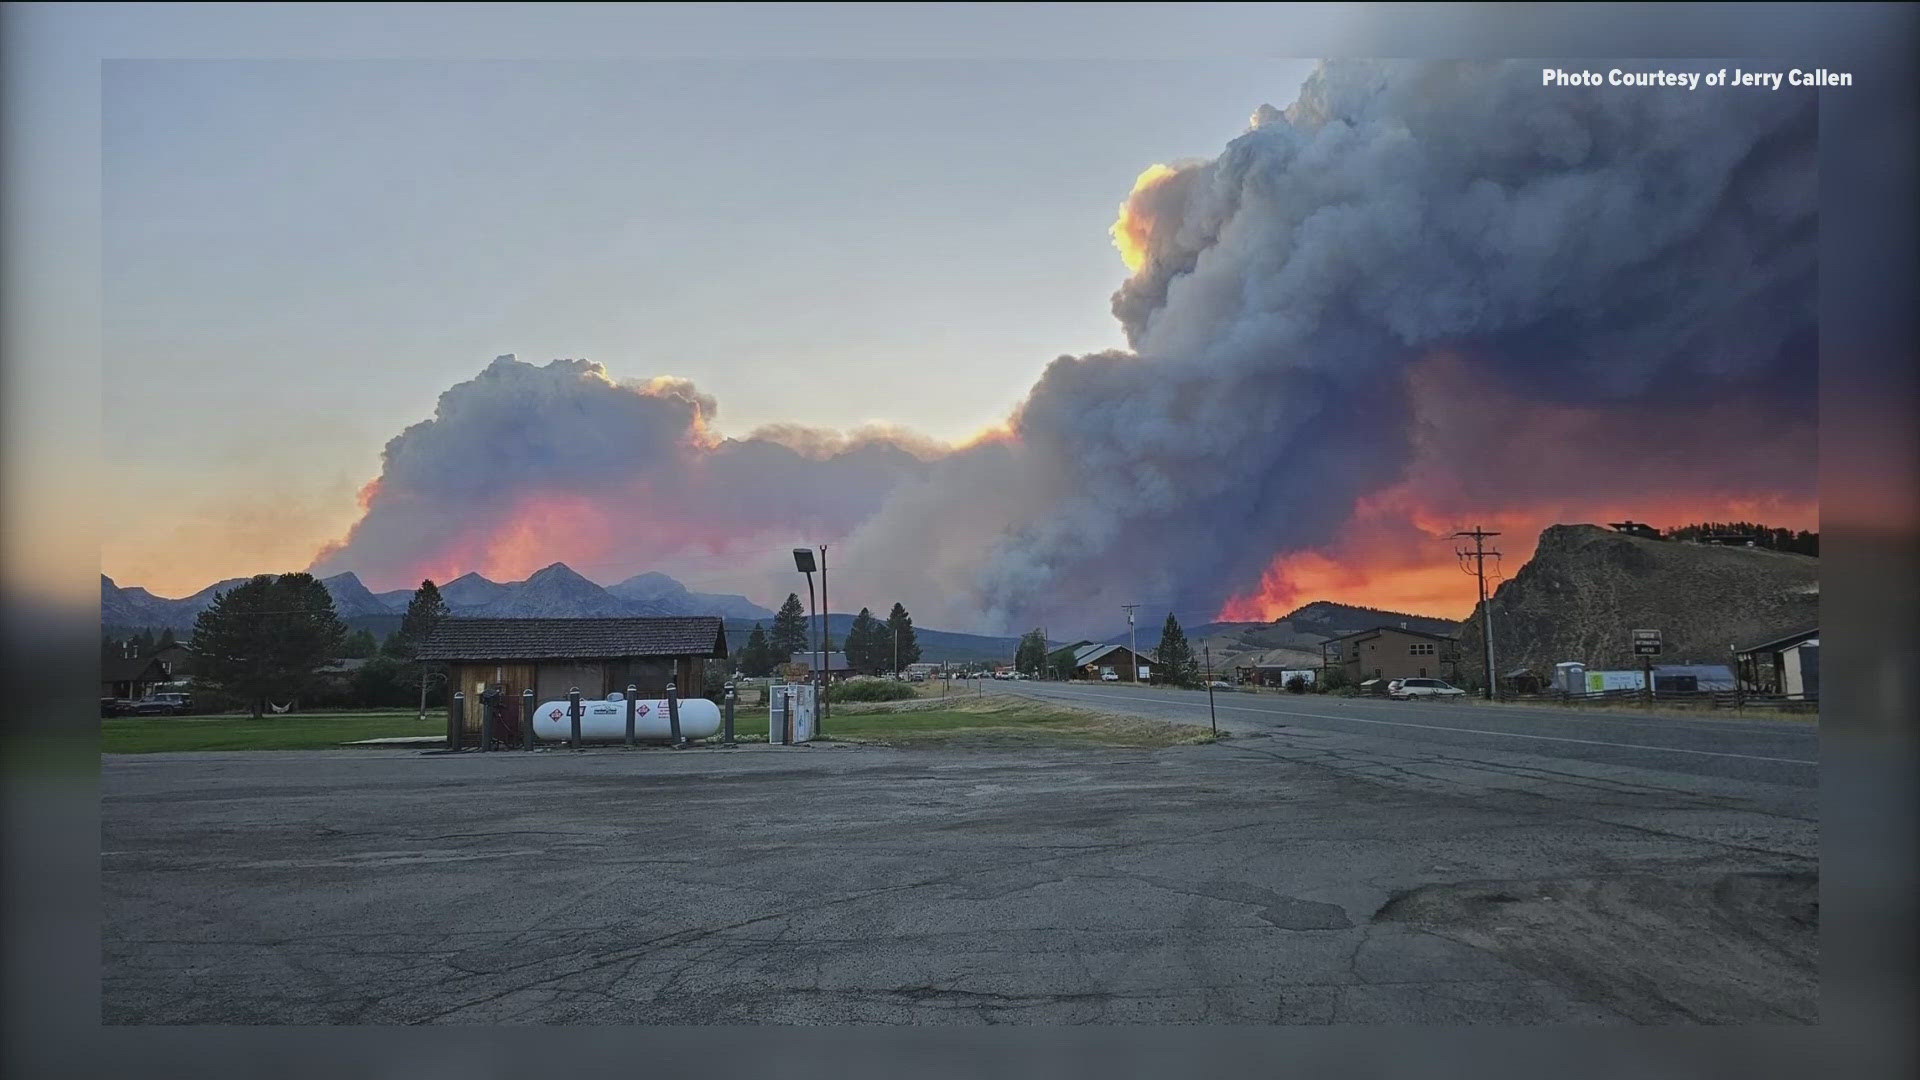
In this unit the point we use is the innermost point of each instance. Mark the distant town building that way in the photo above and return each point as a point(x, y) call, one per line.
point(1636, 528)
point(1788, 665)
point(1391, 652)
point(801, 664)
point(1093, 661)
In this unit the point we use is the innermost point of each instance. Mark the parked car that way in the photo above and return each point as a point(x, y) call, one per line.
point(1109, 675)
point(116, 707)
point(1409, 689)
point(1220, 684)
point(164, 705)
point(1393, 687)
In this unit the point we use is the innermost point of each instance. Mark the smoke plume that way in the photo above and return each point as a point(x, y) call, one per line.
point(1311, 316)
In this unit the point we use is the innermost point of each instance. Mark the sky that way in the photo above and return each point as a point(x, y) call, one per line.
point(1024, 339)
point(300, 256)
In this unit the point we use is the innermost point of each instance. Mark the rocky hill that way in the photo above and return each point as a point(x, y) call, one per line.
point(1587, 588)
point(1294, 639)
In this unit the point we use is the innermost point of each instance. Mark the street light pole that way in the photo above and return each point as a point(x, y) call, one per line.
point(803, 562)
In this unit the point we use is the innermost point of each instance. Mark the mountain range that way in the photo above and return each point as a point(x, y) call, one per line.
point(557, 591)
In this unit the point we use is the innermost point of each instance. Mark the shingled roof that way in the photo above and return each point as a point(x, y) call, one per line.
point(575, 639)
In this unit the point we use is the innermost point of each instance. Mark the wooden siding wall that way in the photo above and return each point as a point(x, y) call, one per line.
point(551, 679)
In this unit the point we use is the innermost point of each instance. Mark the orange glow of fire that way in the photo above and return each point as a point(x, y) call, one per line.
point(545, 529)
point(1397, 555)
point(1133, 231)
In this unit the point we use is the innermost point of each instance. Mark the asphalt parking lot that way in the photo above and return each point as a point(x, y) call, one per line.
point(1292, 875)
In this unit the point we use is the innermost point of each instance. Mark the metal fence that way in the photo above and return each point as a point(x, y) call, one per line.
point(1694, 699)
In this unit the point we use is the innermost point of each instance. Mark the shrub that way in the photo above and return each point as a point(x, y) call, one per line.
point(1296, 685)
point(870, 690)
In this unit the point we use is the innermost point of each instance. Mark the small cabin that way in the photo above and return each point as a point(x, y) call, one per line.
point(552, 656)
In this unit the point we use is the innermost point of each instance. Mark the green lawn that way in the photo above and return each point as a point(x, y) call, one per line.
point(987, 722)
point(991, 721)
point(315, 731)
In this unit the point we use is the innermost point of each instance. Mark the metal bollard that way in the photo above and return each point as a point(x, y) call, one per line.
point(673, 714)
point(573, 710)
point(727, 714)
point(526, 717)
point(631, 691)
point(456, 719)
point(488, 704)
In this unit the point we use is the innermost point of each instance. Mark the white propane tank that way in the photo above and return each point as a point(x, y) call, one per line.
point(606, 720)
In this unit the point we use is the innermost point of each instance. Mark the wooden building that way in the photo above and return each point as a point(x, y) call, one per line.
point(552, 656)
point(1391, 652)
point(1787, 665)
point(1092, 662)
point(127, 678)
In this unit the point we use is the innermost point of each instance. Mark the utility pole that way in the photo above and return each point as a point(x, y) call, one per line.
point(826, 633)
point(1133, 644)
point(1479, 556)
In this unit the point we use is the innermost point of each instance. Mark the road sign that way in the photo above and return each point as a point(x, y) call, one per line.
point(1646, 643)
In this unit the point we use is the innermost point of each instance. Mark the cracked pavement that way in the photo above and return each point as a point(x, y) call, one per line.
point(1294, 874)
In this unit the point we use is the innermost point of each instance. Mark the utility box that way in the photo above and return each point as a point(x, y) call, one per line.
point(790, 713)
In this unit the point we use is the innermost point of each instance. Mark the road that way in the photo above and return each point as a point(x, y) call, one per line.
point(1333, 862)
point(1694, 753)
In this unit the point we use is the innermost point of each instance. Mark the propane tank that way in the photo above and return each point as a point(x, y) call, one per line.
point(606, 720)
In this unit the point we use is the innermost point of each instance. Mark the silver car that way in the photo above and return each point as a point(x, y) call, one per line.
point(1408, 689)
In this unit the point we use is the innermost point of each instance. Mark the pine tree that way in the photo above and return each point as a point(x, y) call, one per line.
point(790, 633)
point(267, 638)
point(756, 656)
point(424, 613)
point(359, 645)
point(908, 651)
point(166, 639)
point(1177, 665)
point(862, 645)
point(143, 643)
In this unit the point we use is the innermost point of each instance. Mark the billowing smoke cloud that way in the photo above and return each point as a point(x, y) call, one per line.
point(1637, 250)
point(1644, 253)
point(525, 465)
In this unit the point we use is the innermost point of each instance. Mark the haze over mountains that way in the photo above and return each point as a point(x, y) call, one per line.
point(557, 591)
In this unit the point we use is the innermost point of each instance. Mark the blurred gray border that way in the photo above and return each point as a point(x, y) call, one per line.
point(1870, 468)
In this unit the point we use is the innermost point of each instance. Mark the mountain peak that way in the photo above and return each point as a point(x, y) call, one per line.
point(557, 572)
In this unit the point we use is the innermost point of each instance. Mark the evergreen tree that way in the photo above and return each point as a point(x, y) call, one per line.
point(166, 639)
point(756, 656)
point(359, 645)
point(424, 613)
point(1031, 657)
point(908, 652)
point(267, 638)
point(143, 642)
point(1177, 665)
point(790, 633)
point(864, 651)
